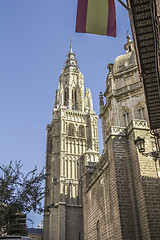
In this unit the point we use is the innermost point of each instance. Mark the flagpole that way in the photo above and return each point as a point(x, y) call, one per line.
point(125, 6)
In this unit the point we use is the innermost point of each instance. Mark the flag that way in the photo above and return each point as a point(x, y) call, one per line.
point(97, 17)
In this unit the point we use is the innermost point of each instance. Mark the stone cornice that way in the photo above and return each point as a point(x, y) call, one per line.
point(123, 72)
point(128, 89)
point(122, 131)
point(76, 138)
point(137, 124)
point(115, 131)
point(80, 113)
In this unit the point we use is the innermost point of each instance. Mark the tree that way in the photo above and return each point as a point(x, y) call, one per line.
point(19, 194)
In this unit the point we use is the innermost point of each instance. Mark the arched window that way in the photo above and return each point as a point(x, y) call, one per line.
point(126, 118)
point(71, 129)
point(66, 96)
point(98, 231)
point(75, 96)
point(141, 113)
point(74, 99)
point(81, 131)
point(72, 95)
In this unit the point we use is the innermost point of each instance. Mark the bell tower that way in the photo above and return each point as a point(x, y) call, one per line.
point(72, 132)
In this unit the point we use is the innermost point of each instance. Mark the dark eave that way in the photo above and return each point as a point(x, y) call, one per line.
point(145, 24)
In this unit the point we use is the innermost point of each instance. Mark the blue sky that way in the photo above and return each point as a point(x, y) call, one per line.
point(34, 43)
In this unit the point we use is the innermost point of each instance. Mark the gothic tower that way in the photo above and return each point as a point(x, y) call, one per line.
point(72, 132)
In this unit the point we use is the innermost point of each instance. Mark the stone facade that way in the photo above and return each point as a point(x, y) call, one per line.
point(73, 132)
point(115, 196)
point(121, 193)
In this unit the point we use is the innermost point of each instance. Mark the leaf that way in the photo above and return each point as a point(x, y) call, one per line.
point(19, 193)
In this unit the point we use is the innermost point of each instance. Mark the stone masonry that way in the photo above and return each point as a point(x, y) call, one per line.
point(72, 132)
point(121, 193)
point(115, 196)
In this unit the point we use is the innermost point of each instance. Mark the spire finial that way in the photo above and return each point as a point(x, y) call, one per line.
point(128, 38)
point(71, 61)
point(71, 45)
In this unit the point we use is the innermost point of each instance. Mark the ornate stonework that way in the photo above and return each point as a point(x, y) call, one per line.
point(121, 192)
point(112, 196)
point(72, 133)
point(124, 95)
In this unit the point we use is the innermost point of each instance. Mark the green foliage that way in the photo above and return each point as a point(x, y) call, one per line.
point(19, 194)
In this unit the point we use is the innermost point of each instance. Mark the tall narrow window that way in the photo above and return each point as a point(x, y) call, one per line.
point(141, 113)
point(71, 169)
point(72, 96)
point(67, 168)
point(98, 231)
point(71, 129)
point(81, 131)
point(66, 97)
point(71, 147)
point(74, 99)
point(75, 166)
point(126, 118)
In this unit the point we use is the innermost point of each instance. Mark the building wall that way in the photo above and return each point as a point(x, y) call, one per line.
point(117, 196)
point(109, 200)
point(74, 219)
point(121, 193)
point(100, 206)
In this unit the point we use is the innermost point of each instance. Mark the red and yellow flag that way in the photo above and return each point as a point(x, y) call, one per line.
point(97, 17)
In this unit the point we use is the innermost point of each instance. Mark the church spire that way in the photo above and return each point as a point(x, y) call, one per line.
point(71, 62)
point(71, 51)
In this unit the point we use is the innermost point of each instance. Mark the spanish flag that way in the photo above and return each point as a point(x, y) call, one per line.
point(97, 17)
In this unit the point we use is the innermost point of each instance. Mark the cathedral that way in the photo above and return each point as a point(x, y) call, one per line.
point(72, 133)
point(113, 196)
